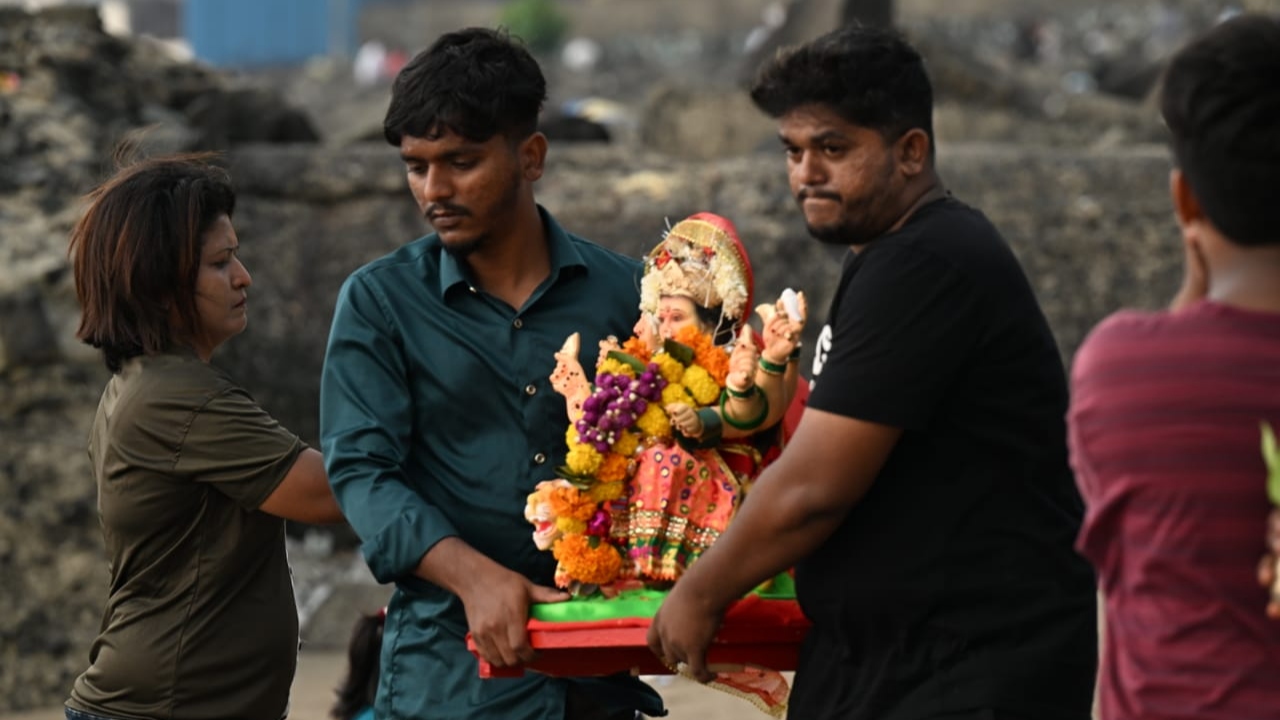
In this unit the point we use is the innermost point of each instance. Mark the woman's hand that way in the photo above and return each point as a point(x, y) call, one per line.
point(685, 419)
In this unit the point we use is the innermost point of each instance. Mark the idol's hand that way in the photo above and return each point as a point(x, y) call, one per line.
point(607, 346)
point(781, 330)
point(685, 419)
point(568, 379)
point(742, 362)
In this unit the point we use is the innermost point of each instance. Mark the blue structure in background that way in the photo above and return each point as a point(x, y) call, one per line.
point(259, 33)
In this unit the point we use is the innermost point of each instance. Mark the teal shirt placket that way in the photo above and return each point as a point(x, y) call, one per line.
point(437, 419)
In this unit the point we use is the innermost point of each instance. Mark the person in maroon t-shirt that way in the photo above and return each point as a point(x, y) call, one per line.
point(1167, 407)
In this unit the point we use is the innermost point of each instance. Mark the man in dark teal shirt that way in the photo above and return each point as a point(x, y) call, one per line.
point(437, 414)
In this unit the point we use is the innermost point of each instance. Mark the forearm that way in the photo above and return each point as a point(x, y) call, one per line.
point(457, 567)
point(304, 495)
point(764, 406)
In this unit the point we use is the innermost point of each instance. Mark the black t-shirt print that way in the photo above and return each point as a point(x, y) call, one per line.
point(953, 583)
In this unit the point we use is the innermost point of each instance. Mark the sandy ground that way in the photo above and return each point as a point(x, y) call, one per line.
point(319, 672)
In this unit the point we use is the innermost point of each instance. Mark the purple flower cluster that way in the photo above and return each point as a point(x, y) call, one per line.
point(618, 401)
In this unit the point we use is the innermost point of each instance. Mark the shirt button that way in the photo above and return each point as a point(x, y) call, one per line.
point(530, 389)
point(539, 458)
point(518, 323)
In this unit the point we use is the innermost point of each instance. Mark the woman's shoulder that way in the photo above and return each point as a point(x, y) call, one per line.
point(174, 381)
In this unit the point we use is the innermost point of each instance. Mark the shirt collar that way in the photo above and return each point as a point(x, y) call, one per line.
point(564, 255)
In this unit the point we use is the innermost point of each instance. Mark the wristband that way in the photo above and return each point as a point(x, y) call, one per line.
point(742, 394)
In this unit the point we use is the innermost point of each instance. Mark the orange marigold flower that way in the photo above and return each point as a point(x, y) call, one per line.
point(613, 469)
point(580, 561)
point(568, 502)
point(636, 348)
point(715, 360)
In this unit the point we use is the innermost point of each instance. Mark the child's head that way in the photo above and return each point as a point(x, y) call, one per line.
point(360, 686)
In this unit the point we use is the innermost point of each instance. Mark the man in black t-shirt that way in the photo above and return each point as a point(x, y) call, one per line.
point(925, 497)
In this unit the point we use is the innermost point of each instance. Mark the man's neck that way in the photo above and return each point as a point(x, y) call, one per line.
point(512, 268)
point(926, 191)
point(930, 191)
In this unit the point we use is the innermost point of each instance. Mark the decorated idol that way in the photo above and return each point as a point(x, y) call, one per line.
point(679, 420)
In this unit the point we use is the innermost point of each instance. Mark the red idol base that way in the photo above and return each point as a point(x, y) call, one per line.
point(756, 631)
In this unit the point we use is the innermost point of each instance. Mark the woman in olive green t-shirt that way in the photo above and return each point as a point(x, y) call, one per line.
point(194, 478)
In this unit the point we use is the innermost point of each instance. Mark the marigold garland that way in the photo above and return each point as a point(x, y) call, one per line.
point(615, 367)
point(700, 385)
point(613, 469)
point(670, 367)
point(654, 423)
point(636, 348)
point(581, 561)
point(706, 354)
point(627, 443)
point(568, 502)
point(606, 491)
point(676, 393)
point(583, 460)
point(571, 526)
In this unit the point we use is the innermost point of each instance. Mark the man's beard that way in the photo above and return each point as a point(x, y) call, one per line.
point(847, 232)
point(464, 248)
point(861, 222)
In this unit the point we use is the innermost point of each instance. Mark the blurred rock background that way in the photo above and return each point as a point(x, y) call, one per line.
point(1045, 121)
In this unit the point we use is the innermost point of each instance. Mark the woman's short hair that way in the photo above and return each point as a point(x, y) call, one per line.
point(136, 253)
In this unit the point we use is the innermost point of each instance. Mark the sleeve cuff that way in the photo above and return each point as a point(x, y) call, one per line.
point(397, 548)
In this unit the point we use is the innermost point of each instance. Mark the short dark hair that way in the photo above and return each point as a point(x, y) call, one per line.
point(136, 253)
point(475, 82)
point(1221, 102)
point(869, 76)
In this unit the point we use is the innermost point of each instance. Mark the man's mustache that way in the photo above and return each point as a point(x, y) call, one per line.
point(444, 208)
point(807, 193)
